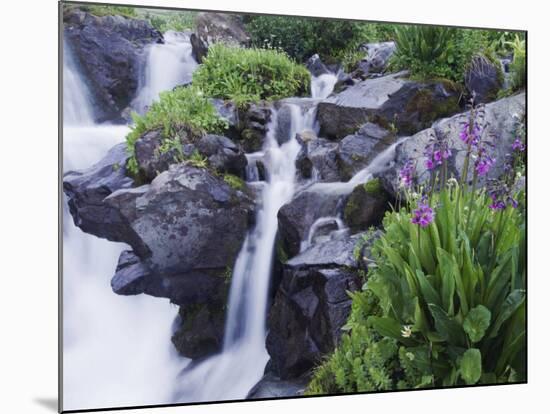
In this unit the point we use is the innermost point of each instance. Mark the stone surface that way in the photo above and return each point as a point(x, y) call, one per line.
point(311, 306)
point(483, 79)
point(217, 27)
point(222, 154)
point(500, 119)
point(271, 386)
point(376, 59)
point(366, 206)
point(393, 99)
point(109, 50)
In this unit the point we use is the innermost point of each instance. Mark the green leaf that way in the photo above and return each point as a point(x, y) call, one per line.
point(428, 292)
point(389, 327)
point(476, 323)
point(447, 327)
point(511, 303)
point(470, 366)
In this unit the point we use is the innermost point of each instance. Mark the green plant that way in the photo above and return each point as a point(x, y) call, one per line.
point(246, 75)
point(437, 52)
point(234, 181)
point(518, 66)
point(104, 10)
point(197, 160)
point(182, 108)
point(178, 21)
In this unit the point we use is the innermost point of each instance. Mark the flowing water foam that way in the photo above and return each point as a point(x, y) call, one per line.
point(116, 349)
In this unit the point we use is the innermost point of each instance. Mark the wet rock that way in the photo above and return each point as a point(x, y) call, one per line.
point(87, 189)
point(254, 126)
point(132, 276)
point(376, 59)
point(110, 52)
point(318, 157)
point(393, 99)
point(357, 150)
point(297, 217)
point(271, 386)
point(217, 27)
point(483, 79)
point(311, 306)
point(500, 118)
point(316, 66)
point(223, 154)
point(366, 206)
point(200, 330)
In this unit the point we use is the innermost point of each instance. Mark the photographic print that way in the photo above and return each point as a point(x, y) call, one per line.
point(261, 206)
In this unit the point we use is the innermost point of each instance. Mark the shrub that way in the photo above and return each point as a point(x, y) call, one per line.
point(518, 66)
point(301, 37)
point(104, 10)
point(182, 107)
point(178, 21)
point(245, 75)
point(437, 52)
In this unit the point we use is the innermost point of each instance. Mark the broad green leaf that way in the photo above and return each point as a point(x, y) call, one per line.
point(389, 327)
point(470, 366)
point(447, 327)
point(429, 294)
point(476, 323)
point(448, 270)
point(511, 303)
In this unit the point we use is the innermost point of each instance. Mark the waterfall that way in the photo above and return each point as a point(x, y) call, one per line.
point(77, 108)
point(113, 346)
point(168, 65)
point(323, 85)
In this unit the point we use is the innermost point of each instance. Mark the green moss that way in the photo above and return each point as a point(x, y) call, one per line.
point(235, 182)
point(281, 252)
point(429, 108)
point(373, 187)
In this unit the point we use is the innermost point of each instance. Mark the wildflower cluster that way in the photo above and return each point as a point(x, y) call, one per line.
point(423, 215)
point(406, 174)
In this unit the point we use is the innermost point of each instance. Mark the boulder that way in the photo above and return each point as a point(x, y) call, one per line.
point(200, 329)
point(110, 52)
point(223, 154)
point(376, 60)
point(357, 150)
point(271, 386)
point(501, 122)
point(311, 306)
point(297, 217)
point(254, 125)
point(366, 206)
point(86, 190)
point(318, 158)
point(394, 99)
point(217, 27)
point(188, 220)
point(483, 79)
point(316, 66)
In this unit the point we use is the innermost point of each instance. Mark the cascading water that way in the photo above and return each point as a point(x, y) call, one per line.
point(168, 65)
point(112, 345)
point(232, 373)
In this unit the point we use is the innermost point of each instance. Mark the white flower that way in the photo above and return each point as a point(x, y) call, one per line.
point(410, 355)
point(406, 332)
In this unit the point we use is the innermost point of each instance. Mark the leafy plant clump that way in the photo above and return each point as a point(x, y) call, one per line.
point(104, 10)
point(178, 21)
point(444, 300)
point(247, 75)
point(184, 107)
point(234, 181)
point(437, 52)
point(518, 66)
point(301, 38)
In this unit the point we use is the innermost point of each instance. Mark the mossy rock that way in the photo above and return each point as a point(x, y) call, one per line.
point(366, 206)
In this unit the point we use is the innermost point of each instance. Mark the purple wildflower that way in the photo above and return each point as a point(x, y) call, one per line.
point(518, 145)
point(406, 174)
point(470, 136)
point(430, 165)
point(483, 164)
point(423, 215)
point(498, 205)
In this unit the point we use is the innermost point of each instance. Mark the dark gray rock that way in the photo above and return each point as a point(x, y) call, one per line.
point(110, 52)
point(217, 27)
point(501, 121)
point(318, 157)
point(393, 99)
point(132, 276)
point(366, 206)
point(357, 150)
point(483, 79)
point(271, 386)
point(316, 66)
point(311, 307)
point(200, 330)
point(187, 219)
point(297, 217)
point(253, 128)
point(376, 59)
point(223, 154)
point(86, 190)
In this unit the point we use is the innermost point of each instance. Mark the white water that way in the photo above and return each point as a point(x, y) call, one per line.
point(116, 349)
point(323, 85)
point(168, 65)
point(320, 222)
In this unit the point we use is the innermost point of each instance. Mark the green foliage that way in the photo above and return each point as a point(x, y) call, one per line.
point(178, 21)
point(246, 75)
point(518, 66)
point(234, 181)
point(197, 160)
point(302, 37)
point(105, 10)
point(373, 187)
point(175, 110)
point(437, 52)
point(446, 302)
